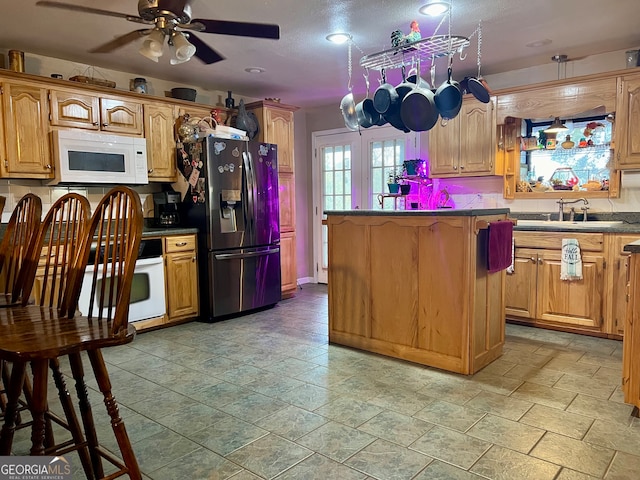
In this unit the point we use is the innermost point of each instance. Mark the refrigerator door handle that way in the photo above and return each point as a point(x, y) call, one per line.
point(232, 256)
point(251, 188)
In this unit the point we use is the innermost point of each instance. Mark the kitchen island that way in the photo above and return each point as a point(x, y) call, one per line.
point(414, 285)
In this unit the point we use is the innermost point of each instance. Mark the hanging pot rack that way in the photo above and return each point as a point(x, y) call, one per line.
point(424, 50)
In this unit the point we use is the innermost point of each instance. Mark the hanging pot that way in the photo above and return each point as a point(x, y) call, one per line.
point(418, 110)
point(393, 114)
point(367, 114)
point(348, 109)
point(477, 86)
point(384, 95)
point(448, 97)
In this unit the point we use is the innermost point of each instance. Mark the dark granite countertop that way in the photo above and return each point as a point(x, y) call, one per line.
point(442, 212)
point(164, 231)
point(633, 247)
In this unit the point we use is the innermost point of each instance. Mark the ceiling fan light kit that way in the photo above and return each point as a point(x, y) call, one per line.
point(182, 49)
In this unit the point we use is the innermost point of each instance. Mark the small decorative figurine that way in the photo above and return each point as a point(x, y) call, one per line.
point(398, 39)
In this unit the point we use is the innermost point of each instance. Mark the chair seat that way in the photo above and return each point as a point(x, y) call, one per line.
point(34, 332)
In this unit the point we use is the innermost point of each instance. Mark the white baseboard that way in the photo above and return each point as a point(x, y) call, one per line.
point(302, 281)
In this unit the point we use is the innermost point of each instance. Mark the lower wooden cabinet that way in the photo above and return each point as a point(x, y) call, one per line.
point(289, 277)
point(181, 282)
point(618, 278)
point(536, 295)
point(631, 343)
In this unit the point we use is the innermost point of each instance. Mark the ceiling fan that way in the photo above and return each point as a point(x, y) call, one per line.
point(168, 16)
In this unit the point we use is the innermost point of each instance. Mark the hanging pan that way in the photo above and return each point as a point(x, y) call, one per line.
point(393, 115)
point(384, 95)
point(348, 104)
point(477, 86)
point(418, 110)
point(367, 114)
point(448, 96)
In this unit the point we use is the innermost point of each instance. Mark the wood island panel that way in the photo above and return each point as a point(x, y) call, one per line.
point(415, 287)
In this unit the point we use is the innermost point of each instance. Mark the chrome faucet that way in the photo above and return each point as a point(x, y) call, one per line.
point(562, 203)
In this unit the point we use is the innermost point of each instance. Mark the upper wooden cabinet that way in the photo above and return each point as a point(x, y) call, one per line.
point(627, 154)
point(276, 126)
point(161, 145)
point(466, 145)
point(104, 113)
point(25, 119)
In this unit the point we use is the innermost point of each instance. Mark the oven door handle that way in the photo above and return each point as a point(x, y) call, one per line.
point(232, 256)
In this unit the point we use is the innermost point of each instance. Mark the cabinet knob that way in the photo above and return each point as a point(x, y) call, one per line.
point(48, 167)
point(180, 244)
point(105, 124)
point(95, 124)
point(461, 167)
point(533, 259)
point(455, 167)
point(150, 170)
point(193, 259)
point(539, 261)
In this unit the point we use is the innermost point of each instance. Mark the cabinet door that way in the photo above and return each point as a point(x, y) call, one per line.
point(181, 276)
point(74, 110)
point(26, 131)
point(444, 149)
point(289, 275)
point(576, 303)
point(477, 137)
point(620, 279)
point(161, 146)
point(628, 123)
point(121, 116)
point(279, 130)
point(520, 286)
point(287, 199)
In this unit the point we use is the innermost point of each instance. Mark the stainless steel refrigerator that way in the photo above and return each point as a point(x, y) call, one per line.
point(233, 200)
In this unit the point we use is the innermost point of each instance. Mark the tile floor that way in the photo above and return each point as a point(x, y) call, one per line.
point(265, 396)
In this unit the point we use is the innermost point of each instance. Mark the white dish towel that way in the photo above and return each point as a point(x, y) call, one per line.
point(571, 263)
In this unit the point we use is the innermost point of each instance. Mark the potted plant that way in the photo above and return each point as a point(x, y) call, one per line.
point(393, 182)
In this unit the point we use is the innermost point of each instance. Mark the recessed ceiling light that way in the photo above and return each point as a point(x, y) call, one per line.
point(434, 9)
point(254, 70)
point(538, 43)
point(338, 38)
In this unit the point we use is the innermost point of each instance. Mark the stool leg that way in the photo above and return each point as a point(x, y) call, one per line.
point(75, 360)
point(13, 389)
point(39, 406)
point(72, 419)
point(49, 440)
point(102, 376)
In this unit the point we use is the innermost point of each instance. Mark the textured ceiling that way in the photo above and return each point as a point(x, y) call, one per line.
point(303, 68)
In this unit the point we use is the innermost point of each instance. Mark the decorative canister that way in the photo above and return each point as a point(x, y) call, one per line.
point(140, 85)
point(16, 60)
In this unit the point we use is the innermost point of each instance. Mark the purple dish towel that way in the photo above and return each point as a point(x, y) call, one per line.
point(499, 245)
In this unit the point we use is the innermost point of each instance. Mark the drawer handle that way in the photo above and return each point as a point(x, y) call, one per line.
point(180, 244)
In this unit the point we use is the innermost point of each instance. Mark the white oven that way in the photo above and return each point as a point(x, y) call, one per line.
point(147, 298)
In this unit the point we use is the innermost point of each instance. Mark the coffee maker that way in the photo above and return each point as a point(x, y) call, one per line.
point(166, 206)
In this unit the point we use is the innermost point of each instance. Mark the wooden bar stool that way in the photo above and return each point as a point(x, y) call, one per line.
point(40, 334)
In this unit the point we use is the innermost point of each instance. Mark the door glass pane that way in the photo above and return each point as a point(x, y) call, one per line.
point(386, 158)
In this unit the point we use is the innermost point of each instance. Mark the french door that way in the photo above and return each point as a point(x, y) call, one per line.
point(350, 170)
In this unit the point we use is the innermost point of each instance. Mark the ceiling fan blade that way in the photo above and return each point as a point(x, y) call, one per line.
point(203, 51)
point(97, 11)
point(120, 41)
point(242, 29)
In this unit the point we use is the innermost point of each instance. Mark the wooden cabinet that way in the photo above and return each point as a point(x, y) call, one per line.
point(627, 132)
point(466, 145)
point(104, 113)
point(429, 299)
point(161, 145)
point(25, 122)
point(631, 341)
point(535, 293)
point(618, 280)
point(276, 126)
point(181, 277)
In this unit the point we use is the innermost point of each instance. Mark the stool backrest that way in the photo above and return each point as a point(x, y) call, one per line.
point(18, 240)
point(56, 248)
point(114, 233)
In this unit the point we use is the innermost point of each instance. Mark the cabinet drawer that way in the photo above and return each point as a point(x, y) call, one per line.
point(590, 242)
point(179, 243)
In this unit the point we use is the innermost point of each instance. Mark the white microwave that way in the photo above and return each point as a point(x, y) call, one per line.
point(90, 157)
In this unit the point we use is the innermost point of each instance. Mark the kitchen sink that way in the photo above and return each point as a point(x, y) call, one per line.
point(571, 225)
